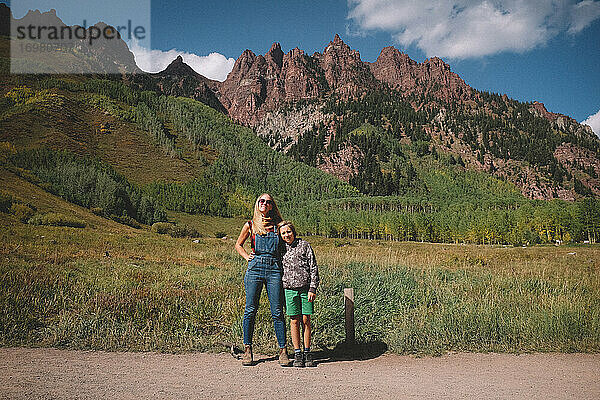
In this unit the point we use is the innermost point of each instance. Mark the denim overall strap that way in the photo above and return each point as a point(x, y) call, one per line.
point(267, 244)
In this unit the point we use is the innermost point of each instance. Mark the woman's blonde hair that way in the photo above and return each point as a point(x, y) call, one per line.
point(258, 225)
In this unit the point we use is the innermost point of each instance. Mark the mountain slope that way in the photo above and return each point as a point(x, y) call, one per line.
point(88, 124)
point(64, 52)
point(187, 154)
point(44, 202)
point(286, 96)
point(179, 79)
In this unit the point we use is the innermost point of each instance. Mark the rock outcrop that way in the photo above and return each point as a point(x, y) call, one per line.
point(281, 95)
point(260, 84)
point(432, 77)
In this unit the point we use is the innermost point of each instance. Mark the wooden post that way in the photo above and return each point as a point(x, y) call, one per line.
point(349, 312)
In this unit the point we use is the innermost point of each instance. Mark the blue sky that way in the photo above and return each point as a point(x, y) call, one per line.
point(531, 50)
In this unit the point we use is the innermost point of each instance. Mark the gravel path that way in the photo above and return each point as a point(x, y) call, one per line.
point(64, 374)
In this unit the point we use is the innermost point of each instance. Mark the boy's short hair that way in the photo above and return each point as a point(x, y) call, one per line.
point(288, 223)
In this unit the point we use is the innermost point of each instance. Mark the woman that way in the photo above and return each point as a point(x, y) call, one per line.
point(264, 268)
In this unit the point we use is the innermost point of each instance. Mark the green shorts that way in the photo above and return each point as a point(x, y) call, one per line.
point(296, 302)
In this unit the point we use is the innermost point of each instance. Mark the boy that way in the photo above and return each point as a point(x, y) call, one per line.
point(300, 282)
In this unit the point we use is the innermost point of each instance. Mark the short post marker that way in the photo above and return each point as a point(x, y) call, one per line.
point(349, 313)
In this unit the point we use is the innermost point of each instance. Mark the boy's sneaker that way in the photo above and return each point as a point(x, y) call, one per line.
point(298, 359)
point(308, 360)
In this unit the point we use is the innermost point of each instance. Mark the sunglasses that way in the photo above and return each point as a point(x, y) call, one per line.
point(265, 201)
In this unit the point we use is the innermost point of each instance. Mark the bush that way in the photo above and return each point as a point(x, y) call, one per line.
point(6, 201)
point(162, 228)
point(97, 211)
point(5, 104)
point(126, 220)
point(165, 228)
point(56, 219)
point(22, 211)
point(183, 231)
point(7, 150)
point(20, 94)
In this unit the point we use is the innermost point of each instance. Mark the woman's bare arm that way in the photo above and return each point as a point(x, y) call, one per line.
point(239, 244)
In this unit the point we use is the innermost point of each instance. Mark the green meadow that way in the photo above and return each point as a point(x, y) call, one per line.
point(112, 287)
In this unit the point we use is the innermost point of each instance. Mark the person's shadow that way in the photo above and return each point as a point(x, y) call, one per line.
point(350, 352)
point(341, 352)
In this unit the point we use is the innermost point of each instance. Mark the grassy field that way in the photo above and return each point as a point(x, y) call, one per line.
point(111, 287)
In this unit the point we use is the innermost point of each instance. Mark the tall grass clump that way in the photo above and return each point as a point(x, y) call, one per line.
point(431, 311)
point(56, 219)
point(117, 306)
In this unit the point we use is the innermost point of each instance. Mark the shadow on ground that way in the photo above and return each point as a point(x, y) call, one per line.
point(341, 352)
point(351, 352)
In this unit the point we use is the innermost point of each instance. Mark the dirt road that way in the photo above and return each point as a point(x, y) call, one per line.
point(61, 374)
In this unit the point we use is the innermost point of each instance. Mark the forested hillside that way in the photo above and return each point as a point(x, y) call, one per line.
point(434, 198)
point(496, 135)
point(232, 164)
point(130, 154)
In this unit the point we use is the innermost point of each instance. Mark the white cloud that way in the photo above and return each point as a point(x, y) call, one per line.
point(214, 66)
point(473, 28)
point(584, 13)
point(594, 122)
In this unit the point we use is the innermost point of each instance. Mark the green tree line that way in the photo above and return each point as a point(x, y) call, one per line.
point(526, 222)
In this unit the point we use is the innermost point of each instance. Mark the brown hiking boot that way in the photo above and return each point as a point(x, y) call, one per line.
point(247, 357)
point(284, 361)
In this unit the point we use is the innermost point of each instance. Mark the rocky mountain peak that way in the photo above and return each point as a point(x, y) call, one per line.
point(295, 53)
point(344, 71)
point(179, 79)
point(338, 46)
point(38, 18)
point(242, 64)
point(540, 110)
point(275, 54)
point(438, 62)
point(179, 68)
point(433, 76)
point(392, 54)
point(76, 55)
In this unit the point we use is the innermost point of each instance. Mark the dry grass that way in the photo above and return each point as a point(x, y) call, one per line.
point(111, 287)
point(581, 262)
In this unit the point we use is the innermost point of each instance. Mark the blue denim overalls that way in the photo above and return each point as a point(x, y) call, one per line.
point(265, 268)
